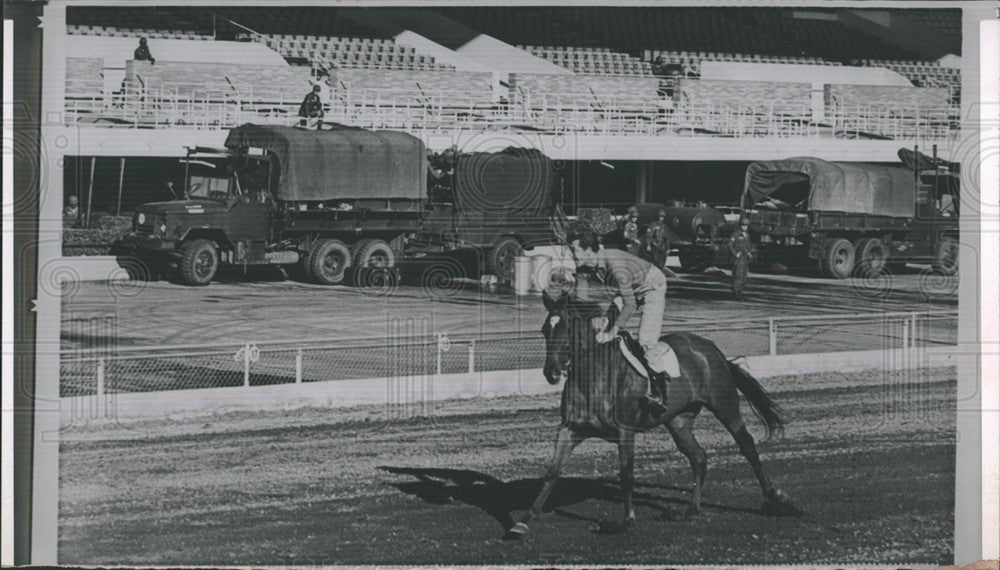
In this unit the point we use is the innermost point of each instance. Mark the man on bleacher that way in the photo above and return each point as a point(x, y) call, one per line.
point(311, 109)
point(142, 52)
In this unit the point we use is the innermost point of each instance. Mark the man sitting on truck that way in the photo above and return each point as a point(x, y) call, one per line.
point(141, 53)
point(636, 281)
point(311, 108)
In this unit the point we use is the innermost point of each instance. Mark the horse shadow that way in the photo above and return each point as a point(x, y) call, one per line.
point(500, 499)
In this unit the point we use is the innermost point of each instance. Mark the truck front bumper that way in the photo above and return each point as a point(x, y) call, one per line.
point(138, 244)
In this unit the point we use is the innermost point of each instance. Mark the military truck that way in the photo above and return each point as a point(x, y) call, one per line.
point(842, 217)
point(336, 202)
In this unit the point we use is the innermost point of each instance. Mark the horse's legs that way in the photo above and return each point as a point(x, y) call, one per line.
point(734, 423)
point(680, 429)
point(566, 441)
point(626, 471)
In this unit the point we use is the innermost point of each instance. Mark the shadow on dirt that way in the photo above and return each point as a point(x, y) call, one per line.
point(501, 499)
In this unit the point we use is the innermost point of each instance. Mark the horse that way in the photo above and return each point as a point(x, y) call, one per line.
point(603, 397)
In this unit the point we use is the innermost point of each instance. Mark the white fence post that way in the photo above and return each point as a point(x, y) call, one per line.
point(246, 364)
point(906, 343)
point(100, 377)
point(472, 356)
point(772, 334)
point(298, 366)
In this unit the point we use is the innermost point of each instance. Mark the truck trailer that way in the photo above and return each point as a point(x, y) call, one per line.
point(844, 217)
point(337, 201)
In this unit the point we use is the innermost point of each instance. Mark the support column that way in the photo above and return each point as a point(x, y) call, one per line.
point(643, 181)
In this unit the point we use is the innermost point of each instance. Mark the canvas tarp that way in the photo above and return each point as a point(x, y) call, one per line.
point(339, 163)
point(835, 186)
point(513, 183)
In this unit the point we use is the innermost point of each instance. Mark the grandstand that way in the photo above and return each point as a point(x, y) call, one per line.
point(629, 70)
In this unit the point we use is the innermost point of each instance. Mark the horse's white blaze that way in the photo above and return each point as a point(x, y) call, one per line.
point(553, 321)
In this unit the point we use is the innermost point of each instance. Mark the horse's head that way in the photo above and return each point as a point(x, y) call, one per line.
point(557, 338)
point(565, 332)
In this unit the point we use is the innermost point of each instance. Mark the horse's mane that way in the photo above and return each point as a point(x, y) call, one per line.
point(590, 309)
point(584, 308)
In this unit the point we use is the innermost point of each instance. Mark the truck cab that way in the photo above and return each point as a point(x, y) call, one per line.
point(224, 213)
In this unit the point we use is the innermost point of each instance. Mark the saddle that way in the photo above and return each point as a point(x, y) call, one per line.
point(635, 355)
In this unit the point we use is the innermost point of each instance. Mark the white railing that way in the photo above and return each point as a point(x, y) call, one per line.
point(139, 369)
point(210, 107)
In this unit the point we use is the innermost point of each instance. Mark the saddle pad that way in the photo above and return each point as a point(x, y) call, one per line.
point(671, 365)
point(632, 359)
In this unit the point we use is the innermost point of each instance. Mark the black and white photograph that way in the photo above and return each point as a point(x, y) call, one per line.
point(535, 283)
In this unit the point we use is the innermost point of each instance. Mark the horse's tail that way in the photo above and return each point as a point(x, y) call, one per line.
point(761, 403)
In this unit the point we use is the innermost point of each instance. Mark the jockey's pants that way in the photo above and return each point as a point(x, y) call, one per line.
point(653, 302)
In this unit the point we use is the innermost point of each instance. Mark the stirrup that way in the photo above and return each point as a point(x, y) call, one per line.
point(655, 405)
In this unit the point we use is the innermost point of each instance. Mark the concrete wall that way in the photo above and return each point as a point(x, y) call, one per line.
point(801, 73)
point(171, 142)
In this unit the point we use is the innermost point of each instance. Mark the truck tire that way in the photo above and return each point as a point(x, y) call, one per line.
point(369, 253)
point(328, 261)
point(871, 254)
point(946, 257)
point(838, 259)
point(199, 262)
point(500, 260)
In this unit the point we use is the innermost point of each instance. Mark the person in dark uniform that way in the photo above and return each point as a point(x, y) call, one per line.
point(142, 52)
point(658, 240)
point(740, 247)
point(630, 232)
point(311, 108)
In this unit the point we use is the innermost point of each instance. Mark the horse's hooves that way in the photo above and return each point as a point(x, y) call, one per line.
point(783, 508)
point(690, 513)
point(516, 532)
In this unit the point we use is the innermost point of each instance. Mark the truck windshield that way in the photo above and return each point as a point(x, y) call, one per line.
point(208, 180)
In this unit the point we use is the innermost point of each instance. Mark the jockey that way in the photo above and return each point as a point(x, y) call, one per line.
point(635, 280)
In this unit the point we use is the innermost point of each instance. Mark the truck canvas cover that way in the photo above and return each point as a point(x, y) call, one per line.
point(515, 182)
point(339, 163)
point(832, 186)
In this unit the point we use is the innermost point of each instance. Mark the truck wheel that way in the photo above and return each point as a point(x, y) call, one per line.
point(199, 262)
point(839, 259)
point(871, 254)
point(500, 261)
point(328, 261)
point(370, 253)
point(946, 257)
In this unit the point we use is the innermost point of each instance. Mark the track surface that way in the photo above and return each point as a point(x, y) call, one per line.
point(264, 306)
point(869, 457)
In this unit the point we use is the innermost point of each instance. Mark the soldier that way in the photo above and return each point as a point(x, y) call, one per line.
point(141, 53)
point(740, 248)
point(658, 240)
point(631, 231)
point(311, 109)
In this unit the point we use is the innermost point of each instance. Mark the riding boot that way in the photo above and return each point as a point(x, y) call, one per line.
point(656, 400)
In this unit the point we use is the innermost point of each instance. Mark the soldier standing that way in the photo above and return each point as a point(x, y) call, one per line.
point(658, 240)
point(740, 248)
point(631, 231)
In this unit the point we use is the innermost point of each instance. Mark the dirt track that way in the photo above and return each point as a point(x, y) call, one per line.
point(869, 456)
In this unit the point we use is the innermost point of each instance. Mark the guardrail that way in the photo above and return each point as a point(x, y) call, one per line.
point(186, 105)
point(181, 367)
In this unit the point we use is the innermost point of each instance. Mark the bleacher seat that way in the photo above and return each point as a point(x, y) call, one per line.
point(247, 84)
point(417, 87)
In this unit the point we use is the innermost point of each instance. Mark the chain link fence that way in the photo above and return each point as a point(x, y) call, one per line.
point(265, 363)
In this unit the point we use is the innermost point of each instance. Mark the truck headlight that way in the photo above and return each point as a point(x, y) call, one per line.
point(142, 218)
